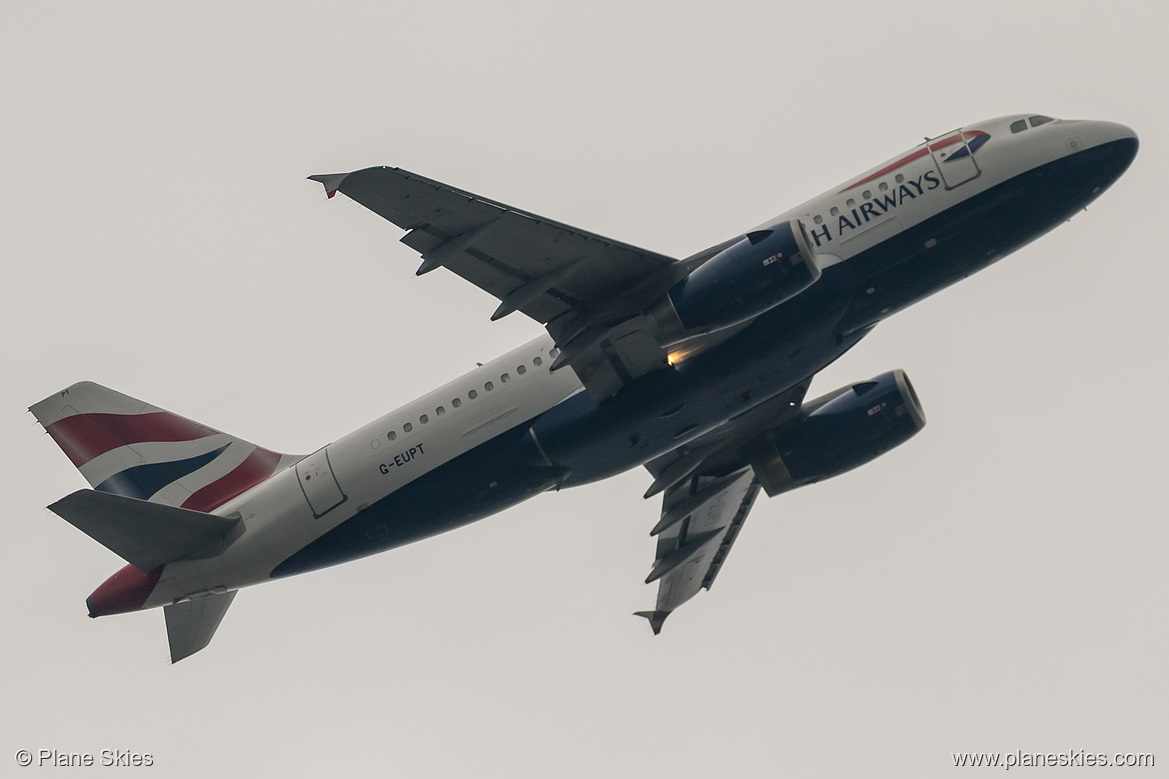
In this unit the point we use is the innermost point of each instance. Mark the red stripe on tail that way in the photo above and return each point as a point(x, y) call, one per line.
point(85, 436)
point(258, 466)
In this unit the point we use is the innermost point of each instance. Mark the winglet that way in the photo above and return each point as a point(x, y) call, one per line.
point(331, 181)
point(656, 618)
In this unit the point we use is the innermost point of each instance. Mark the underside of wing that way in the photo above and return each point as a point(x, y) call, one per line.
point(709, 487)
point(701, 519)
point(588, 290)
point(534, 265)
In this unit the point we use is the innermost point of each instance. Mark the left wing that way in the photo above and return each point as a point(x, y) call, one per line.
point(701, 518)
point(589, 291)
point(709, 488)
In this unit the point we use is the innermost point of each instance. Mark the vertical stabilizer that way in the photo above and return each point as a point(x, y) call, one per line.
point(127, 447)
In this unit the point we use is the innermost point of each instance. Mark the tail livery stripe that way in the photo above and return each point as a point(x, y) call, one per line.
point(142, 481)
point(125, 447)
point(127, 590)
point(258, 466)
point(85, 436)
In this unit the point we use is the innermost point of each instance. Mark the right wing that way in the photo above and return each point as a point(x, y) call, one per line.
point(589, 291)
point(542, 268)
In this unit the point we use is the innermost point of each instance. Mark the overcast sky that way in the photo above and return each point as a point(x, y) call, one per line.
point(998, 583)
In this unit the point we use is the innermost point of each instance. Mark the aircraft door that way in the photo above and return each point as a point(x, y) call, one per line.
point(955, 159)
point(320, 486)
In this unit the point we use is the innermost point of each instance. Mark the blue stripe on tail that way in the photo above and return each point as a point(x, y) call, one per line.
point(142, 481)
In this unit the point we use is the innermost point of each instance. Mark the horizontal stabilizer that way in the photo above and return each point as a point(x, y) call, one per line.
point(191, 624)
point(144, 534)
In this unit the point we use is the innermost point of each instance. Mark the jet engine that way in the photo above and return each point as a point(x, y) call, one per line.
point(842, 430)
point(760, 271)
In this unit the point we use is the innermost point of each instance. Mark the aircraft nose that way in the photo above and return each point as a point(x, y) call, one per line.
point(1119, 144)
point(1100, 152)
point(1112, 131)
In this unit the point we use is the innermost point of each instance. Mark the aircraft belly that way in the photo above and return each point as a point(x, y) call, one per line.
point(476, 484)
point(669, 407)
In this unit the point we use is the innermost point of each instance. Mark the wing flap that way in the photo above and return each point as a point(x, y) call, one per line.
point(144, 534)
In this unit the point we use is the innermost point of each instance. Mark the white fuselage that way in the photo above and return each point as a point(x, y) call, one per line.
point(289, 511)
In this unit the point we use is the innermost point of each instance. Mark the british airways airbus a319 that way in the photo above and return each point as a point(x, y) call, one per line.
point(695, 369)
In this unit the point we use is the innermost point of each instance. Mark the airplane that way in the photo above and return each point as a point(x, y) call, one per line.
point(695, 368)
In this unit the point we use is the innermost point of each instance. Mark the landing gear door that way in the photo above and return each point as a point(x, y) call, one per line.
point(318, 483)
point(954, 157)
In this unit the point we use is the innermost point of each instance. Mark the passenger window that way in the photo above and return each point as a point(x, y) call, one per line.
point(818, 219)
point(835, 211)
point(867, 195)
point(537, 361)
point(424, 419)
point(440, 411)
point(505, 378)
point(850, 203)
point(391, 435)
point(472, 394)
point(521, 369)
point(554, 353)
point(455, 403)
point(899, 178)
point(489, 386)
point(1038, 120)
point(882, 186)
point(407, 427)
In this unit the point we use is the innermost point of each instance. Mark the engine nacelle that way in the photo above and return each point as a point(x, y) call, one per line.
point(742, 281)
point(851, 428)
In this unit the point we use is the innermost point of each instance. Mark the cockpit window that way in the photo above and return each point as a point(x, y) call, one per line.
point(1019, 126)
point(1038, 120)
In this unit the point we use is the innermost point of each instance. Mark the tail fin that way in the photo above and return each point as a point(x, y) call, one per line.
point(126, 447)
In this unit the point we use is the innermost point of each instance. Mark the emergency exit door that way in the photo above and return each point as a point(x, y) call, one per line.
point(320, 486)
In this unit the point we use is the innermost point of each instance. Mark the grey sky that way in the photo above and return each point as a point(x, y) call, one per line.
point(998, 583)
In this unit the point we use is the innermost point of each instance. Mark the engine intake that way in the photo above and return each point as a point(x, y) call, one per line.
point(749, 277)
point(844, 429)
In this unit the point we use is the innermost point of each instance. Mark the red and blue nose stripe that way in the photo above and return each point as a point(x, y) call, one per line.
point(974, 140)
